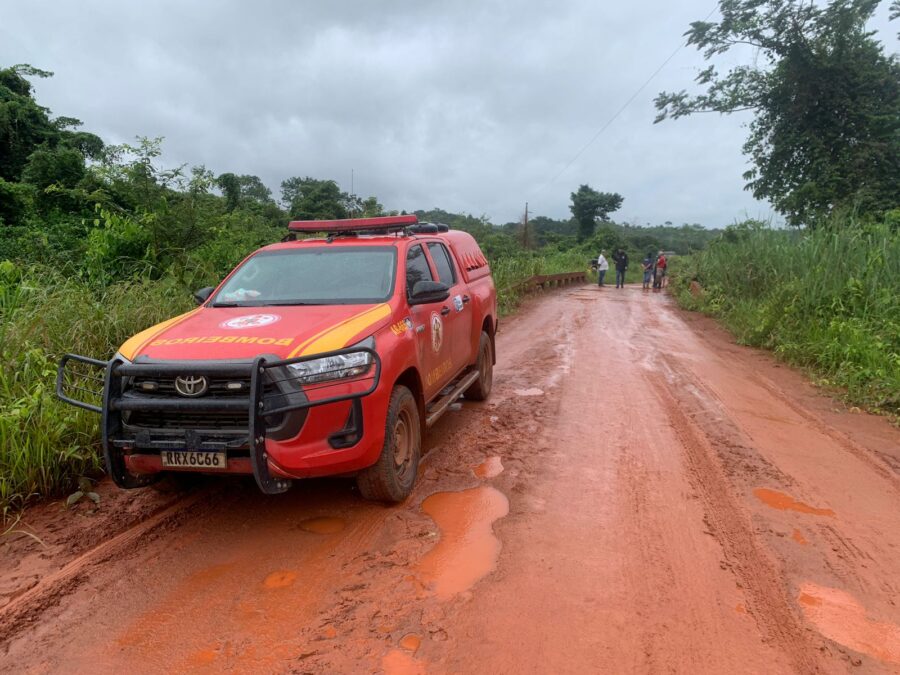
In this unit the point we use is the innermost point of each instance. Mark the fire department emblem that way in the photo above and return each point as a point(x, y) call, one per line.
point(250, 321)
point(437, 332)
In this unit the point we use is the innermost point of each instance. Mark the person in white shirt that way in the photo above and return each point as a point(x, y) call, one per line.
point(602, 266)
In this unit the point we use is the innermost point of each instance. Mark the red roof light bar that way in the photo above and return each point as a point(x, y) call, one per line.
point(353, 224)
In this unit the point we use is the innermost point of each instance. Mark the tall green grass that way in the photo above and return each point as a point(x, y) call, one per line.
point(46, 445)
point(510, 271)
point(826, 299)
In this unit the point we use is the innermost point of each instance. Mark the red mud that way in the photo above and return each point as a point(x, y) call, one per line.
point(646, 519)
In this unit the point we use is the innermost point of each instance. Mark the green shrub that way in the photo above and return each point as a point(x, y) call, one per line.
point(827, 299)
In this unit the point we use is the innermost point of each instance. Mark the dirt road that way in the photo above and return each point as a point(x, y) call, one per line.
point(640, 495)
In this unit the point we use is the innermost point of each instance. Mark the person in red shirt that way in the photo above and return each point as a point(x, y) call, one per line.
point(661, 265)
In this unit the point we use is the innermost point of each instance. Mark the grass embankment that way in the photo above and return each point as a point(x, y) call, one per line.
point(826, 299)
point(512, 270)
point(45, 445)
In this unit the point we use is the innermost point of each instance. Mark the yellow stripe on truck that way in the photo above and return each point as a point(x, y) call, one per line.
point(135, 344)
point(337, 336)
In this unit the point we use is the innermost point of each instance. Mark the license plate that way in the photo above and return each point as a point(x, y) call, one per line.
point(189, 459)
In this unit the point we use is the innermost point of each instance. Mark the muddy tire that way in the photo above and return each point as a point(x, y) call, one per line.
point(393, 476)
point(481, 388)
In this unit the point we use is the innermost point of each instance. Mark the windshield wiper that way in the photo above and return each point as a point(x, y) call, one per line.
point(294, 303)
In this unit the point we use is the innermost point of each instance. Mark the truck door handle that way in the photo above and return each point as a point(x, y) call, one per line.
point(445, 311)
point(466, 298)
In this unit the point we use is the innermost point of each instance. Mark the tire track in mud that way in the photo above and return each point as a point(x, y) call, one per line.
point(702, 431)
point(26, 607)
point(879, 464)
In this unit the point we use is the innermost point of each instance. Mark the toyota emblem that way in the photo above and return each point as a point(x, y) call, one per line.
point(191, 385)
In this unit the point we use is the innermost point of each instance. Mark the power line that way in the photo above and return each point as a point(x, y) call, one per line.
point(619, 111)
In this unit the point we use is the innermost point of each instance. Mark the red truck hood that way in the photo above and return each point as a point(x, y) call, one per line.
point(245, 332)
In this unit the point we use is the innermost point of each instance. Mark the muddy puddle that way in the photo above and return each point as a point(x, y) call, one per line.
point(398, 662)
point(840, 617)
point(467, 549)
point(489, 468)
point(323, 525)
point(782, 502)
point(531, 391)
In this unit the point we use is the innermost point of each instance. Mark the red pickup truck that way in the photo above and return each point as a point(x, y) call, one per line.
point(314, 357)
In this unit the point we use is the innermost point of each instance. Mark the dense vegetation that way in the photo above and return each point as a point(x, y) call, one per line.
point(826, 298)
point(825, 97)
point(98, 242)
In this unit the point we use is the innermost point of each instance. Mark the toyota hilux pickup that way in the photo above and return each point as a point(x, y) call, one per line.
point(329, 353)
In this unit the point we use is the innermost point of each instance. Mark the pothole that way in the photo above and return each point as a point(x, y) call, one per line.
point(840, 617)
point(467, 549)
point(782, 502)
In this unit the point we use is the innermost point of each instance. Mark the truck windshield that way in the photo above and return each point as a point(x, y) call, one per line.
point(345, 275)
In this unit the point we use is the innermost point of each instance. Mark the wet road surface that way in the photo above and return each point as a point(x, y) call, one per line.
point(639, 495)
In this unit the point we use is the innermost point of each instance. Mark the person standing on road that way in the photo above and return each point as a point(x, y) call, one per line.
point(647, 265)
point(621, 260)
point(661, 264)
point(602, 266)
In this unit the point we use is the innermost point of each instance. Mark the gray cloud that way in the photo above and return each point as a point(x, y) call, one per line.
point(470, 106)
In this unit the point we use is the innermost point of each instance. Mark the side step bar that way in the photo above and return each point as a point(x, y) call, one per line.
point(440, 406)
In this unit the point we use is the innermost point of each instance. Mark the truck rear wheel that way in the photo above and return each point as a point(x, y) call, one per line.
point(392, 477)
point(481, 388)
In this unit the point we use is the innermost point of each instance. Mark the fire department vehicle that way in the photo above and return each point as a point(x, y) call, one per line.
point(329, 353)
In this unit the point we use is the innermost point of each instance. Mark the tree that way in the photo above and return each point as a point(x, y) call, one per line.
point(588, 205)
point(371, 208)
point(826, 100)
point(24, 125)
point(313, 199)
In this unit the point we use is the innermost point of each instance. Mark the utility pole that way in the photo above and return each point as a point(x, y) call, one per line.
point(525, 243)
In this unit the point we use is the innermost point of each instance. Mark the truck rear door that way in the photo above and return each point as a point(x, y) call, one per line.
point(458, 322)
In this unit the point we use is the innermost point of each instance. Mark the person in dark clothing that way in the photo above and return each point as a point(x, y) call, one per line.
point(647, 266)
point(621, 260)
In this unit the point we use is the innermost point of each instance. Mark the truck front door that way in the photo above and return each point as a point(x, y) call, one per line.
point(432, 341)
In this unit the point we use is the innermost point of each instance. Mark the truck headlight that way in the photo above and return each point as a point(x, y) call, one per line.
point(337, 367)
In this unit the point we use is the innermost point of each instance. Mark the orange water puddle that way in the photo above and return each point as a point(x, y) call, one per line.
point(489, 468)
point(323, 525)
point(840, 617)
point(798, 537)
point(280, 579)
point(468, 549)
point(397, 662)
point(410, 642)
point(783, 502)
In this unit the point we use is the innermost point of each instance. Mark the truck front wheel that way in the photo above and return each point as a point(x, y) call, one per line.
point(393, 476)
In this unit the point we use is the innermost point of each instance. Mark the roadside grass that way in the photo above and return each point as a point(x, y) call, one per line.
point(826, 299)
point(46, 445)
point(509, 271)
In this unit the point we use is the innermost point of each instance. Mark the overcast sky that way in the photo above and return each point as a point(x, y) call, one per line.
point(468, 106)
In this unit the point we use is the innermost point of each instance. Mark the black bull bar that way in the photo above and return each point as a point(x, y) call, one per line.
point(260, 402)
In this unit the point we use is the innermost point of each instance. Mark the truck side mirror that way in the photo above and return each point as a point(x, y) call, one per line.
point(203, 294)
point(425, 292)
